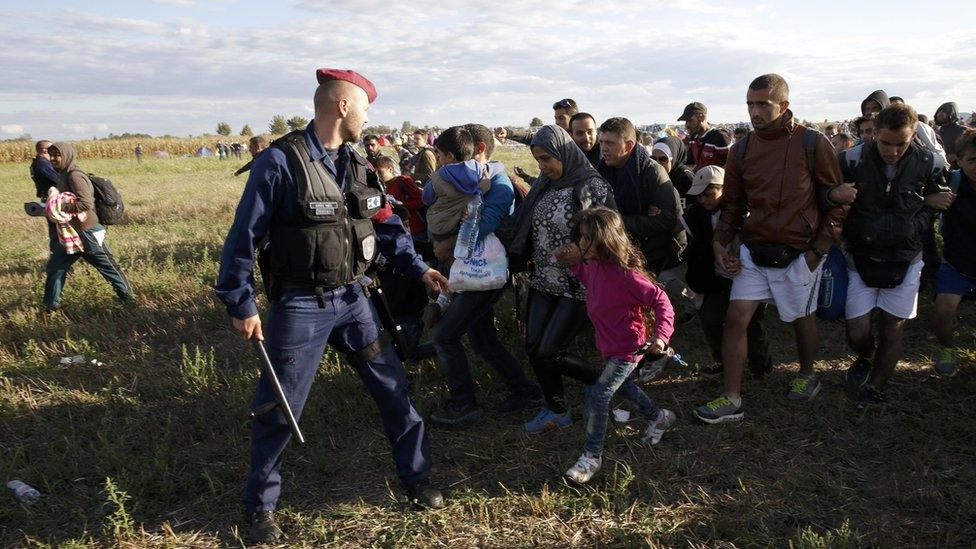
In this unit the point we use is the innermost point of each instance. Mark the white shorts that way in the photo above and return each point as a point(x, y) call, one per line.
point(900, 301)
point(793, 289)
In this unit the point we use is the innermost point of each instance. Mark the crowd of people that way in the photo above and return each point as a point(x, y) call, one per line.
point(727, 222)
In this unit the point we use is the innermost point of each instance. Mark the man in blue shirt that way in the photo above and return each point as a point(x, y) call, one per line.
point(312, 200)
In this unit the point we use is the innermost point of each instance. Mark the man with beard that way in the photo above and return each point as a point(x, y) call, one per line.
point(709, 146)
point(787, 225)
point(582, 128)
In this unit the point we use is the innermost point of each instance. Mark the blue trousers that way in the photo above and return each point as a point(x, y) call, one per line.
point(296, 334)
point(97, 255)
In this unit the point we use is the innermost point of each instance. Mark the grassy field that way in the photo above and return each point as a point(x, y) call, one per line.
point(149, 447)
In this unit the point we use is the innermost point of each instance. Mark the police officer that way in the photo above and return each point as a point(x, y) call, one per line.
point(319, 218)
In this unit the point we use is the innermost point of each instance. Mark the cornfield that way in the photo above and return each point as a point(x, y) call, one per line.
point(22, 151)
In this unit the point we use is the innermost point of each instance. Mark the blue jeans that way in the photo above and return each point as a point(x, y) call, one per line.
point(616, 375)
point(473, 313)
point(296, 333)
point(97, 255)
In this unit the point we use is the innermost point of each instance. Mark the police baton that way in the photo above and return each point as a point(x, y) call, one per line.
point(280, 400)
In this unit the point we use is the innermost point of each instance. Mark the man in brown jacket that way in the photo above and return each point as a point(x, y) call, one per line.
point(96, 251)
point(787, 218)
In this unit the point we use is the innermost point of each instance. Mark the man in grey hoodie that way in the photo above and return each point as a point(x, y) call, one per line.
point(947, 118)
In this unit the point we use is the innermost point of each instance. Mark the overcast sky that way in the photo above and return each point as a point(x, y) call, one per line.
point(71, 70)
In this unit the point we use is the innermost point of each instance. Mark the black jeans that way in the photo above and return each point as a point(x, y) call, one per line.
point(712, 315)
point(549, 327)
point(473, 313)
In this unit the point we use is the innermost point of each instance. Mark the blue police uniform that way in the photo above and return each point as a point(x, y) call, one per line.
point(301, 323)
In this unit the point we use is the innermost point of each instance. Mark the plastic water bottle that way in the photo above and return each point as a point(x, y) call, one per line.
point(25, 493)
point(468, 232)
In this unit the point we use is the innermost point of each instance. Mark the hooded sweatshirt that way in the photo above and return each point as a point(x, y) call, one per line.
point(951, 130)
point(924, 134)
point(72, 179)
point(448, 193)
point(877, 95)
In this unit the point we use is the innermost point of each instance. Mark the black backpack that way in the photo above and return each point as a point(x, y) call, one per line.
point(108, 201)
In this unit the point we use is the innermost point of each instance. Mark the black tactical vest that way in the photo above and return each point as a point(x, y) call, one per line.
point(329, 241)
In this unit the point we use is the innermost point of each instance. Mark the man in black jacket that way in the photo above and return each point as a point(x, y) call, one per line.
point(645, 197)
point(715, 288)
point(900, 187)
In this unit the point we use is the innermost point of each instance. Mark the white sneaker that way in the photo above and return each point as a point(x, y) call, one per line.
point(655, 429)
point(584, 469)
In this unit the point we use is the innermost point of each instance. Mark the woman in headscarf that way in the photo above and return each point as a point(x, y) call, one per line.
point(71, 179)
point(672, 153)
point(567, 184)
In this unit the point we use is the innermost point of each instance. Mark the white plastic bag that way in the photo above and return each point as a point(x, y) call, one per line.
point(486, 269)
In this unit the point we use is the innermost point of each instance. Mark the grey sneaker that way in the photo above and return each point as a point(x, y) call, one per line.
point(655, 429)
point(720, 410)
point(803, 389)
point(946, 363)
point(651, 370)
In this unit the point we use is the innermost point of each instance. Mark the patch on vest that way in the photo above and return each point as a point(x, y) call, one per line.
point(374, 202)
point(323, 208)
point(369, 247)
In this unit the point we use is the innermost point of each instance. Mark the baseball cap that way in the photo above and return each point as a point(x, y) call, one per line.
point(709, 175)
point(691, 110)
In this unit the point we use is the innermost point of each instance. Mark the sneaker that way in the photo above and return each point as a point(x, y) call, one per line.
point(263, 529)
point(584, 469)
point(868, 396)
point(857, 375)
point(424, 495)
point(547, 420)
point(652, 370)
point(720, 410)
point(946, 363)
point(803, 389)
point(655, 429)
point(455, 415)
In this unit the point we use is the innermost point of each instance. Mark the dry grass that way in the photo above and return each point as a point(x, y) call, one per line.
point(149, 449)
point(23, 151)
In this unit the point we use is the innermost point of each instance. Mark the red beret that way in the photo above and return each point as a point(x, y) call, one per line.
point(326, 74)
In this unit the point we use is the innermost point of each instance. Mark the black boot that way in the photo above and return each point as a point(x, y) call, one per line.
point(422, 494)
point(263, 529)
